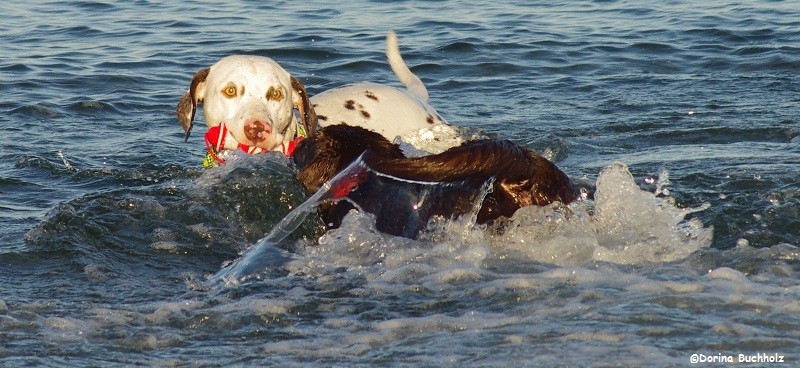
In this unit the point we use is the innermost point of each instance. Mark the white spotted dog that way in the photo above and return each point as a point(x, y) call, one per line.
point(249, 102)
point(381, 108)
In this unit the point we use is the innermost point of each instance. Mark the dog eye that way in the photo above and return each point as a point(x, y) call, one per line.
point(229, 91)
point(274, 94)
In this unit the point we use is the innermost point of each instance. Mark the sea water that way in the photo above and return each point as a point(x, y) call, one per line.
point(676, 121)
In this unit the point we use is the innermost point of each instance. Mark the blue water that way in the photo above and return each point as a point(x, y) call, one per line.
point(111, 228)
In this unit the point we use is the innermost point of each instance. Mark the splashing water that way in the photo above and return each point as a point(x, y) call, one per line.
point(437, 139)
point(63, 157)
point(365, 190)
point(634, 226)
point(625, 225)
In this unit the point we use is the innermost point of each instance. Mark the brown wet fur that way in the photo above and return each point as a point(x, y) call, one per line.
point(332, 148)
point(308, 115)
point(187, 106)
point(522, 178)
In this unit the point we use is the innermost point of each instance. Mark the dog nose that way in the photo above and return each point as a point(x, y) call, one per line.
point(257, 130)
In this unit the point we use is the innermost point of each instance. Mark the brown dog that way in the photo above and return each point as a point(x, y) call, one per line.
point(403, 206)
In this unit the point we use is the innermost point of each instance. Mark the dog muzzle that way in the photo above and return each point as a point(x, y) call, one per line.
point(217, 137)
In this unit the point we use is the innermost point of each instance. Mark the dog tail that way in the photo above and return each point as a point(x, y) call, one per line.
point(414, 85)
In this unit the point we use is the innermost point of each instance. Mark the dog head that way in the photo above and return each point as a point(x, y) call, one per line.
point(253, 96)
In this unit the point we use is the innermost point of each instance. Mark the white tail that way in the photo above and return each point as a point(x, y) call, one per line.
point(414, 85)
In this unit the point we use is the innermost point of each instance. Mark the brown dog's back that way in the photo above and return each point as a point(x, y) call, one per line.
point(321, 156)
point(521, 178)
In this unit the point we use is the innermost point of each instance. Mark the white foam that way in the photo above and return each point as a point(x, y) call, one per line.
point(470, 320)
point(167, 246)
point(62, 323)
point(595, 336)
point(67, 329)
point(634, 226)
point(111, 317)
point(725, 273)
point(234, 160)
point(256, 306)
point(165, 312)
point(436, 139)
point(555, 234)
point(624, 224)
point(97, 273)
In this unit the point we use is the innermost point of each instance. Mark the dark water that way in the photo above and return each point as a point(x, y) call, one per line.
point(111, 228)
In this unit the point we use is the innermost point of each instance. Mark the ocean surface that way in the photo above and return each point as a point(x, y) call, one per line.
point(678, 120)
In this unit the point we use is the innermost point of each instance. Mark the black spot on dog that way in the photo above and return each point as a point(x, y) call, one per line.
point(365, 114)
point(350, 105)
point(322, 117)
point(430, 119)
point(371, 95)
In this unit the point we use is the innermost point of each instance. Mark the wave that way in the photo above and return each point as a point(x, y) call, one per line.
point(623, 224)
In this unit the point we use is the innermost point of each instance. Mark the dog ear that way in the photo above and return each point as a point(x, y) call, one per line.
point(303, 104)
point(187, 106)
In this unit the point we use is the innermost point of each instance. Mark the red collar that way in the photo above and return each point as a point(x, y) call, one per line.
point(215, 142)
point(289, 147)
